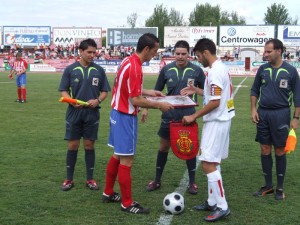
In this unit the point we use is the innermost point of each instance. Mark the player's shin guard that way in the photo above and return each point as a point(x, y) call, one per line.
point(19, 93)
point(111, 175)
point(124, 177)
point(216, 185)
point(23, 90)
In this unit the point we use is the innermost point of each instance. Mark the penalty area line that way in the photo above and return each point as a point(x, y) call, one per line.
point(166, 219)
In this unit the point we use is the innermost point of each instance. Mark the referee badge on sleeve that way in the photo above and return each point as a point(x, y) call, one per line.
point(184, 140)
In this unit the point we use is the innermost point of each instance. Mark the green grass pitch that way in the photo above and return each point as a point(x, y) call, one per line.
point(32, 166)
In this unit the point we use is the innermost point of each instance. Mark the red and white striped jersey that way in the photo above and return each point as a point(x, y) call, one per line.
point(128, 84)
point(19, 65)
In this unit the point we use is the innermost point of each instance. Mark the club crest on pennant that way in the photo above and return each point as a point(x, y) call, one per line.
point(184, 140)
point(184, 143)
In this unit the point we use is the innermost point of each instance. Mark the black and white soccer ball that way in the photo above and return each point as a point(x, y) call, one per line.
point(173, 203)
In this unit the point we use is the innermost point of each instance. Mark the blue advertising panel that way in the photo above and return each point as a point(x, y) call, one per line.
point(26, 35)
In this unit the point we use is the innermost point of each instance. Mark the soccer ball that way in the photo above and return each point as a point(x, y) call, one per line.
point(173, 203)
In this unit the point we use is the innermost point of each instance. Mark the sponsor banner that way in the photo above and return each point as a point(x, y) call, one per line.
point(70, 36)
point(41, 68)
point(246, 35)
point(197, 33)
point(59, 64)
point(127, 36)
point(289, 35)
point(26, 35)
point(112, 62)
point(189, 34)
point(174, 34)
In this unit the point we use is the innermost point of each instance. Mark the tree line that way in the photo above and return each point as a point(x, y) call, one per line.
point(207, 15)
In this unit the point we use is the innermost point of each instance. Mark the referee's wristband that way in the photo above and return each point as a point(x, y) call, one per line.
point(296, 117)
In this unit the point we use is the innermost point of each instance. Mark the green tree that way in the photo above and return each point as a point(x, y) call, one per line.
point(278, 14)
point(131, 19)
point(205, 15)
point(160, 18)
point(176, 18)
point(231, 18)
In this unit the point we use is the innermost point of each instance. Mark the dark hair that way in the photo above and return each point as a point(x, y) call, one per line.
point(205, 44)
point(86, 43)
point(145, 40)
point(182, 44)
point(277, 44)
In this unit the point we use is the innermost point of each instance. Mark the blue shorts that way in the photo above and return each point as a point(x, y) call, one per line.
point(273, 126)
point(123, 133)
point(82, 123)
point(21, 80)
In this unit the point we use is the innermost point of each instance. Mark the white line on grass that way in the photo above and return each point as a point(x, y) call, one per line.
point(166, 219)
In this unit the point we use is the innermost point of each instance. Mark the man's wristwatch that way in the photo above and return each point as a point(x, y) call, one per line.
point(99, 100)
point(296, 117)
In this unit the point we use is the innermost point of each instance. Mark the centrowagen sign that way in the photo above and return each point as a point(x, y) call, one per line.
point(70, 36)
point(289, 35)
point(251, 35)
point(26, 35)
point(127, 36)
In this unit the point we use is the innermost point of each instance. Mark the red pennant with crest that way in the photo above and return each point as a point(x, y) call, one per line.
point(184, 140)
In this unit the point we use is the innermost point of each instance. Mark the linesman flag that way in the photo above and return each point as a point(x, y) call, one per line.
point(291, 141)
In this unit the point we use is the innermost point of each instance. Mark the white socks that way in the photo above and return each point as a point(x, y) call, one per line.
point(216, 194)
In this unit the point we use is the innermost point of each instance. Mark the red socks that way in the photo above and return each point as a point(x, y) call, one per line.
point(19, 93)
point(23, 90)
point(124, 177)
point(111, 174)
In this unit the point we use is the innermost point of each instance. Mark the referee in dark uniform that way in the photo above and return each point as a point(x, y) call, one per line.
point(275, 88)
point(175, 76)
point(86, 81)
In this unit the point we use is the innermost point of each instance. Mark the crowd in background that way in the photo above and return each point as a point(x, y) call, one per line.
point(43, 51)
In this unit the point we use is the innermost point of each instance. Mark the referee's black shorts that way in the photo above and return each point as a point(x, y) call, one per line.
point(273, 126)
point(82, 122)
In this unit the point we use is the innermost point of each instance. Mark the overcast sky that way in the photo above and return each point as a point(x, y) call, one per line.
point(114, 13)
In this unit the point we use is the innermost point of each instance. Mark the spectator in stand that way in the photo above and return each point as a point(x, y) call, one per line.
point(236, 53)
point(2, 48)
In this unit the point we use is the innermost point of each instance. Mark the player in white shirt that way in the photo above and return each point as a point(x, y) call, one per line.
point(217, 112)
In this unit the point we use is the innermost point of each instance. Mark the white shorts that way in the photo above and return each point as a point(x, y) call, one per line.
point(215, 141)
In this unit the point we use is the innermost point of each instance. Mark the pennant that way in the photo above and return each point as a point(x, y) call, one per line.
point(184, 140)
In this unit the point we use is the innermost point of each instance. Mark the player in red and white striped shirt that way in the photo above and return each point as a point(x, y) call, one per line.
point(19, 68)
point(126, 100)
